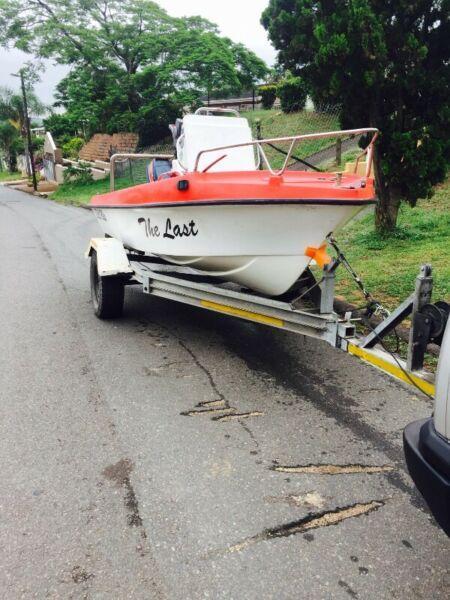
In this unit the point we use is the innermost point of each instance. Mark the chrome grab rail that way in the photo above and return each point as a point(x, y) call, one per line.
point(298, 138)
point(211, 109)
point(115, 157)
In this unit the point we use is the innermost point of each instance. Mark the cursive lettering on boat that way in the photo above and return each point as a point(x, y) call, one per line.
point(179, 231)
point(150, 230)
point(171, 230)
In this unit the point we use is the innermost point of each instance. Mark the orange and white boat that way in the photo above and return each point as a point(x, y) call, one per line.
point(211, 208)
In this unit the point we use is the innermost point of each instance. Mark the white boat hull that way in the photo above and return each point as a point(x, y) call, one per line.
point(261, 247)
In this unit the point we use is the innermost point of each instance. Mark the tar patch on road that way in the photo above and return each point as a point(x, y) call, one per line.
point(119, 474)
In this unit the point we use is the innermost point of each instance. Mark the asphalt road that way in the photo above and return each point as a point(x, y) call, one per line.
point(119, 480)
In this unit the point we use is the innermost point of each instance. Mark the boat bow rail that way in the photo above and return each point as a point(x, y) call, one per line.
point(294, 141)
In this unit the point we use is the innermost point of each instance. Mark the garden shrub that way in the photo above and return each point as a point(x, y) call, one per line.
point(268, 95)
point(72, 147)
point(80, 173)
point(293, 93)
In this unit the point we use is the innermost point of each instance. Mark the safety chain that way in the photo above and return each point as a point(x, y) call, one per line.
point(373, 306)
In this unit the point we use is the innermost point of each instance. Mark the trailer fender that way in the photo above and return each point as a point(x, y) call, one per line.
point(112, 258)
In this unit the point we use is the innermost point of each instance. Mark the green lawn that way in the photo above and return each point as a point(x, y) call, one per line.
point(275, 123)
point(389, 265)
point(81, 193)
point(7, 176)
point(77, 193)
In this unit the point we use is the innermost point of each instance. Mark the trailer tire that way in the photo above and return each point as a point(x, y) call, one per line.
point(107, 293)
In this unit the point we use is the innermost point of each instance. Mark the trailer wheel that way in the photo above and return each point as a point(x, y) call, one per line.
point(107, 293)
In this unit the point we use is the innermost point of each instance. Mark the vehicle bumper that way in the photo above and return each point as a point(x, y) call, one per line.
point(428, 459)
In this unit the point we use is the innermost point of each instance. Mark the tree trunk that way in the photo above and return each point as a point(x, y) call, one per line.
point(386, 210)
point(388, 204)
point(12, 162)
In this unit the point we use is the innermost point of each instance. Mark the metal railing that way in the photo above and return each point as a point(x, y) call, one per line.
point(368, 151)
point(116, 157)
point(210, 110)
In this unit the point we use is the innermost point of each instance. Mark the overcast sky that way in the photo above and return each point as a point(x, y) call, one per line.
point(237, 19)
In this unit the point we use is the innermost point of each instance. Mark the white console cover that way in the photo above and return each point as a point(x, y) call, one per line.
point(202, 132)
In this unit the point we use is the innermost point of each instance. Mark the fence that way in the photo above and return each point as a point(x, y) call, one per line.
point(319, 153)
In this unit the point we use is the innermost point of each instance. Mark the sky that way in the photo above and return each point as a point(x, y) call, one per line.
point(237, 19)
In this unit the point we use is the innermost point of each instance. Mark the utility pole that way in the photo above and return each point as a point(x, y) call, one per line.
point(27, 126)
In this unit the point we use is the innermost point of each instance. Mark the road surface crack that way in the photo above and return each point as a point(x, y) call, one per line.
point(212, 383)
point(239, 416)
point(311, 521)
point(333, 469)
point(208, 411)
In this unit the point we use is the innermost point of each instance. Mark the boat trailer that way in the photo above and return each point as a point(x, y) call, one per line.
point(308, 309)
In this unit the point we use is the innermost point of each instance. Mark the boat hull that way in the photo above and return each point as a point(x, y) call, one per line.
point(259, 247)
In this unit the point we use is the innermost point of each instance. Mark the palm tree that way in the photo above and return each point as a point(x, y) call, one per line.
point(9, 143)
point(12, 113)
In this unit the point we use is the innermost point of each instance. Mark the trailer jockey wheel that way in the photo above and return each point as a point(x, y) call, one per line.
point(107, 292)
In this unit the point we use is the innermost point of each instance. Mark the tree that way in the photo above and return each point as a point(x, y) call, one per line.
point(10, 143)
point(131, 63)
point(11, 107)
point(388, 65)
point(14, 123)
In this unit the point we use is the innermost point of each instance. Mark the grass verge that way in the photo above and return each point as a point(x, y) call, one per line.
point(80, 193)
point(7, 176)
point(389, 264)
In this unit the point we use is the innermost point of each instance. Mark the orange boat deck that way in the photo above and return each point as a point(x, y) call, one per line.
point(244, 187)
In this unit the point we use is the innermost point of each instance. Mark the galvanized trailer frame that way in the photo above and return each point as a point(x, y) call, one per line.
point(314, 317)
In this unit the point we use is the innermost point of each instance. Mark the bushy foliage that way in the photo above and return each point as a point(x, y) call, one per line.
point(10, 144)
point(268, 95)
point(292, 92)
point(63, 127)
point(71, 148)
point(388, 65)
point(132, 65)
point(81, 174)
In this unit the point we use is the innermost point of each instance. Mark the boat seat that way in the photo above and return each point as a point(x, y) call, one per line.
point(176, 131)
point(201, 132)
point(157, 167)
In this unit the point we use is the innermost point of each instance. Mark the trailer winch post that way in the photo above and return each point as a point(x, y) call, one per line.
point(420, 323)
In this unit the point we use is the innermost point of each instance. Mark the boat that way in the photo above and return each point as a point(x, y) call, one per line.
point(220, 208)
